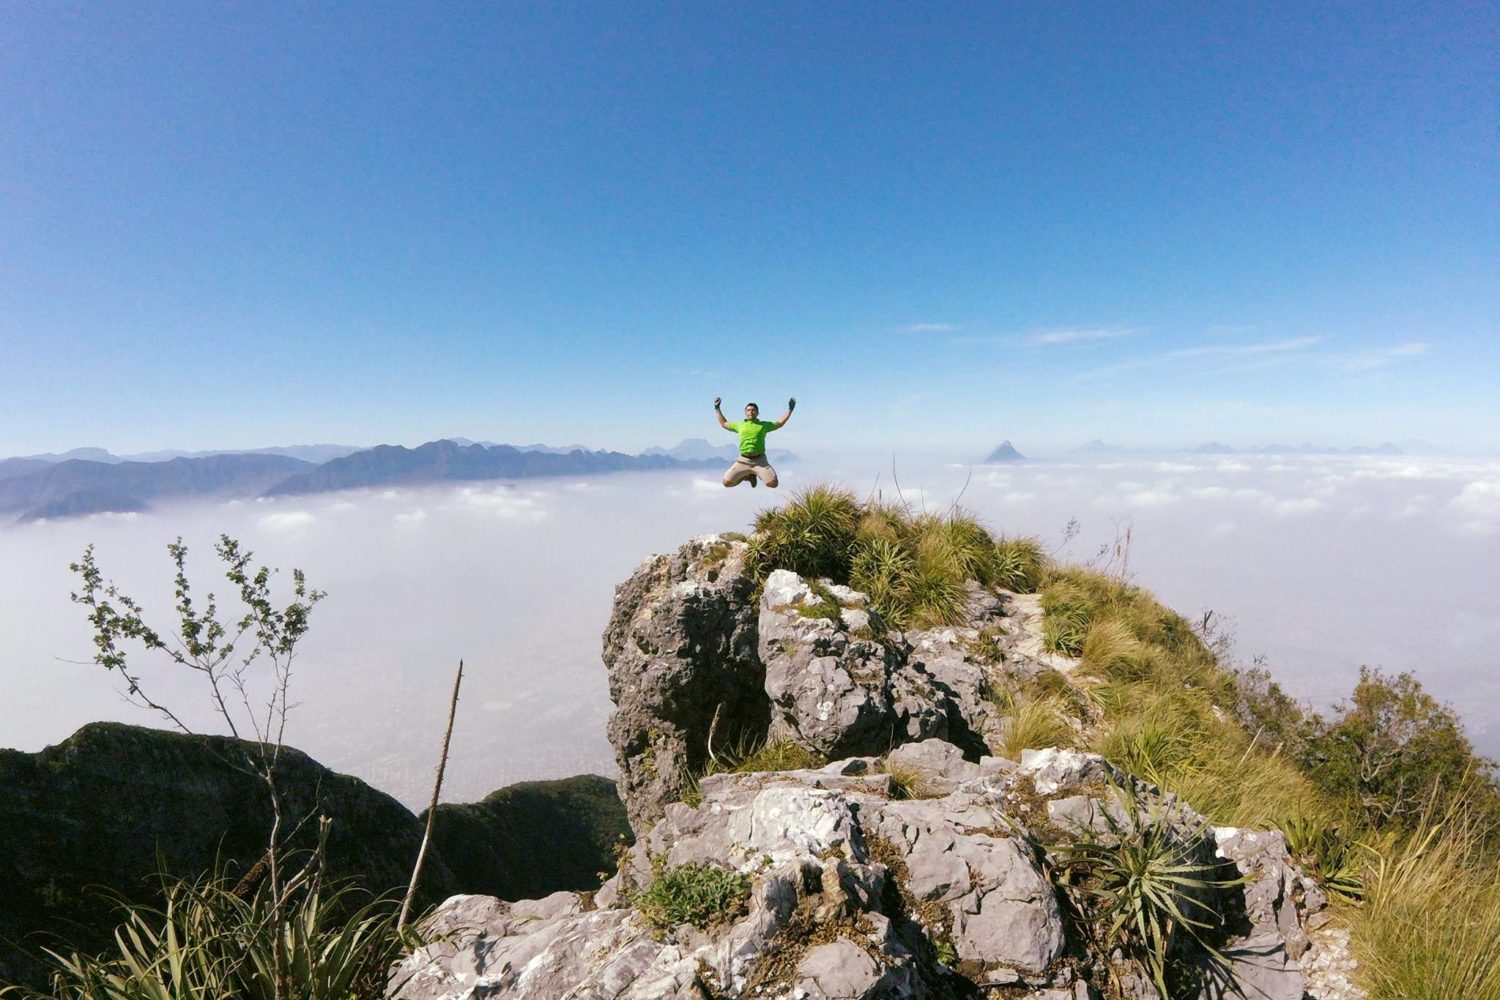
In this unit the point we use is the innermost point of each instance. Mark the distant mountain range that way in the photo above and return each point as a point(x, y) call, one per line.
point(77, 486)
point(38, 487)
point(701, 450)
point(444, 461)
point(306, 452)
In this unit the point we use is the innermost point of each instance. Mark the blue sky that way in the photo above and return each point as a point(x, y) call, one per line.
point(937, 225)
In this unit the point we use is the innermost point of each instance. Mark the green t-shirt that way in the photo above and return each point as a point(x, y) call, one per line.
point(753, 435)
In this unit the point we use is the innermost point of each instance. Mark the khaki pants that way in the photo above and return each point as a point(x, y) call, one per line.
point(751, 466)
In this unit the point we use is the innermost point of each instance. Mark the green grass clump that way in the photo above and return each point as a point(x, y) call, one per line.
point(812, 535)
point(915, 567)
point(1035, 721)
point(697, 894)
point(211, 941)
point(1431, 914)
point(782, 755)
point(1169, 709)
point(826, 606)
point(908, 782)
point(1020, 564)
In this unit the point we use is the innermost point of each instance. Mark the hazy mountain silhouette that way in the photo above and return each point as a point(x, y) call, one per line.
point(446, 461)
point(83, 487)
point(701, 450)
point(1006, 452)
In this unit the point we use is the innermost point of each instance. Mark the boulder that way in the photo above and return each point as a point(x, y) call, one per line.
point(680, 648)
point(1277, 901)
point(854, 893)
point(833, 692)
point(848, 861)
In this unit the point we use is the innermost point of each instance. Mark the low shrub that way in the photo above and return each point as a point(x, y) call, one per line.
point(1395, 751)
point(697, 894)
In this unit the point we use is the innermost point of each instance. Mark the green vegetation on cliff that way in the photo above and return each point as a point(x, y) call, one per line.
point(97, 825)
point(533, 838)
point(1384, 798)
point(114, 806)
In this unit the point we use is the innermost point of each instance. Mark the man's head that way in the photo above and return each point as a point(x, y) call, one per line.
point(751, 411)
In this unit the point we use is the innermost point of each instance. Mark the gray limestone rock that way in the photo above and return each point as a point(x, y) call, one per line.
point(680, 648)
point(1277, 901)
point(939, 764)
point(959, 852)
point(1053, 770)
point(828, 848)
point(839, 970)
point(889, 884)
point(839, 692)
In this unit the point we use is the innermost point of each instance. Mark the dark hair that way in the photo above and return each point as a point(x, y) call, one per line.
point(756, 405)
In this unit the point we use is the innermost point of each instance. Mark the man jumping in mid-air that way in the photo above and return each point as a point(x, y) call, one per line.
point(752, 464)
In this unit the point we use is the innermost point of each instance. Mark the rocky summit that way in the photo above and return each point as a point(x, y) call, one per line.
point(912, 859)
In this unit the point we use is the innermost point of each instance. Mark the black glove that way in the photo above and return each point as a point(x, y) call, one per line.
point(717, 401)
point(791, 404)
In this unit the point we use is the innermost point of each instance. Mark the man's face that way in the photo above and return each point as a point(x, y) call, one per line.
point(752, 411)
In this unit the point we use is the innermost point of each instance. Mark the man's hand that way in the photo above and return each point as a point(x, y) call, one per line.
point(791, 404)
point(717, 401)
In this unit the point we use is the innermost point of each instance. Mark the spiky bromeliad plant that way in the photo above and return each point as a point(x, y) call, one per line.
point(1140, 887)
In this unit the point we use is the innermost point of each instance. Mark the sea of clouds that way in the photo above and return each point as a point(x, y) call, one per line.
point(1322, 563)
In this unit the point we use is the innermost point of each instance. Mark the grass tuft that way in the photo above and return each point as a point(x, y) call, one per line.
point(1020, 564)
point(697, 894)
point(812, 535)
point(1034, 722)
point(1431, 914)
point(915, 568)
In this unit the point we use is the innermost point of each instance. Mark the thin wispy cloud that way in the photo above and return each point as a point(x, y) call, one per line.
point(929, 328)
point(1230, 357)
point(1291, 344)
point(1381, 357)
point(1073, 336)
point(1047, 337)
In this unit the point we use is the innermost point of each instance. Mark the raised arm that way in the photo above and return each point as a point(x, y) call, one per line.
point(720, 413)
point(791, 405)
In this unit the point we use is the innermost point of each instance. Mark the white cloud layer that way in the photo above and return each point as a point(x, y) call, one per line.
point(1325, 562)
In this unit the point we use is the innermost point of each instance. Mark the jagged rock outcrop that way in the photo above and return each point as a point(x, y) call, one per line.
point(919, 863)
point(690, 641)
point(532, 838)
point(855, 892)
point(680, 648)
